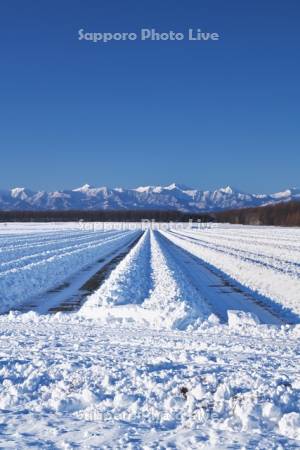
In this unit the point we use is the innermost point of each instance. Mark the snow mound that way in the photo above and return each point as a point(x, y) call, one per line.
point(238, 319)
point(289, 425)
point(138, 388)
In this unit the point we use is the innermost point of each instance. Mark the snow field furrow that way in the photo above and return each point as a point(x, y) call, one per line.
point(272, 247)
point(56, 239)
point(281, 287)
point(250, 242)
point(283, 235)
point(60, 242)
point(16, 241)
point(19, 285)
point(62, 252)
point(149, 287)
point(253, 256)
point(56, 235)
point(59, 250)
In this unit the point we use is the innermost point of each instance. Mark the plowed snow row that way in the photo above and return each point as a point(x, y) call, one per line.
point(47, 242)
point(14, 258)
point(148, 286)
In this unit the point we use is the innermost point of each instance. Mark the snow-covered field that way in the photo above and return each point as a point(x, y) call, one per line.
point(33, 264)
point(190, 342)
point(264, 259)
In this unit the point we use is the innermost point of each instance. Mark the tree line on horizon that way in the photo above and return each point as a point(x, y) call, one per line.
point(101, 216)
point(281, 214)
point(285, 214)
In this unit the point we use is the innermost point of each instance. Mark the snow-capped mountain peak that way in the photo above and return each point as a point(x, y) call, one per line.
point(287, 193)
point(20, 192)
point(84, 188)
point(180, 187)
point(230, 190)
point(171, 197)
point(227, 190)
point(143, 188)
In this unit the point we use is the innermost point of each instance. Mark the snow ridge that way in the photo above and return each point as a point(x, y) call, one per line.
point(179, 304)
point(170, 302)
point(129, 282)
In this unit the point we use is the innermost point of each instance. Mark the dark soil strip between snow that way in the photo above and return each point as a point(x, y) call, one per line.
point(93, 283)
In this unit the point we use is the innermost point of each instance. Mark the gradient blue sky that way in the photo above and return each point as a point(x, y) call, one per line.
point(139, 113)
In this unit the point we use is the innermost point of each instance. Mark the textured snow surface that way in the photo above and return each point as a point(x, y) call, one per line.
point(152, 289)
point(145, 364)
point(67, 383)
point(264, 259)
point(32, 264)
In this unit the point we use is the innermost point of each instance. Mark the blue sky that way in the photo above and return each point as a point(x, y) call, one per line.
point(138, 113)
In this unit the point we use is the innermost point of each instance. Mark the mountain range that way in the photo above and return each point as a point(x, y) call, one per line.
point(172, 197)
